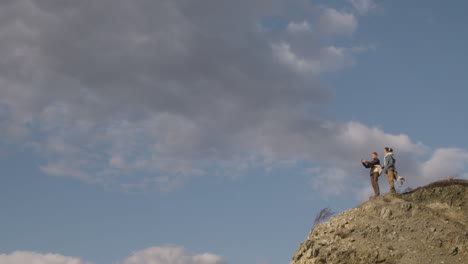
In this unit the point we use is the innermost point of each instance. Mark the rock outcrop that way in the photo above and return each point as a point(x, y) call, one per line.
point(426, 225)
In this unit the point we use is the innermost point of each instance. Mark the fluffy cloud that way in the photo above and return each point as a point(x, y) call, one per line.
point(22, 257)
point(285, 55)
point(167, 90)
point(444, 163)
point(363, 6)
point(171, 255)
point(329, 58)
point(333, 21)
point(304, 26)
point(341, 173)
point(331, 180)
point(153, 255)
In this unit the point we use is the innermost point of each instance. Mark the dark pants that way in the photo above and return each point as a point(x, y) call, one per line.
point(375, 183)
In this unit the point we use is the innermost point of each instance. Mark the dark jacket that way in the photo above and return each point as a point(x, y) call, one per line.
point(371, 164)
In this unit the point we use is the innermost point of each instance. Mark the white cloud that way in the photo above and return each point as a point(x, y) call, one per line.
point(330, 58)
point(153, 255)
point(443, 163)
point(333, 21)
point(340, 171)
point(171, 255)
point(66, 167)
point(363, 6)
point(342, 174)
point(164, 96)
point(334, 58)
point(175, 93)
point(294, 27)
point(23, 257)
point(329, 180)
point(284, 54)
point(358, 136)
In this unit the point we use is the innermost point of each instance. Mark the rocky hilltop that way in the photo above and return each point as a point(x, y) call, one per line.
point(426, 225)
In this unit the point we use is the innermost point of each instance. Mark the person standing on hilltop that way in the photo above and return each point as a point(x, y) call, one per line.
point(375, 171)
point(389, 169)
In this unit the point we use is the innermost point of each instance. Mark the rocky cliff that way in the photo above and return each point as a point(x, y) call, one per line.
point(426, 225)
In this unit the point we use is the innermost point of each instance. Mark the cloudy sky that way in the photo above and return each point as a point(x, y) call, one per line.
point(213, 131)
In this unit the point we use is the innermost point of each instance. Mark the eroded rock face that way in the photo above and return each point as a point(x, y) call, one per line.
point(427, 225)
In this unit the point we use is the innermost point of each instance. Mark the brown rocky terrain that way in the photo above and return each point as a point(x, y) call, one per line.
point(426, 225)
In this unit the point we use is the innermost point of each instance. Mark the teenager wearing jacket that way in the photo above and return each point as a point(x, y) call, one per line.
point(389, 168)
point(374, 166)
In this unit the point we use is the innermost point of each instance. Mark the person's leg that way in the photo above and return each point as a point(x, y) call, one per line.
point(375, 183)
point(390, 176)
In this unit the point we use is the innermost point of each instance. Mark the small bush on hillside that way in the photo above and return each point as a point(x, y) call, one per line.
point(323, 215)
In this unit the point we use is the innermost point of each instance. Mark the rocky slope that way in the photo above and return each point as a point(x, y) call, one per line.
point(426, 225)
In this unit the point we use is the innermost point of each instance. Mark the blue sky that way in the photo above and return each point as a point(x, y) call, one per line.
point(212, 133)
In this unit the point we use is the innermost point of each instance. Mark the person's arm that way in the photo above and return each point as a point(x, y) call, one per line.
point(373, 162)
point(365, 164)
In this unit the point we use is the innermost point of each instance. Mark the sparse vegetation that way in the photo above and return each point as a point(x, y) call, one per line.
point(323, 215)
point(407, 190)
